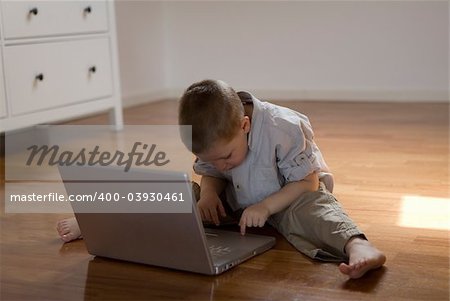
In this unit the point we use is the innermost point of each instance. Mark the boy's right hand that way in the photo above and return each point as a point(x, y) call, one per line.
point(210, 206)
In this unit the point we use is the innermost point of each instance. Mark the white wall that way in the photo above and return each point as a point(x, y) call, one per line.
point(140, 34)
point(294, 50)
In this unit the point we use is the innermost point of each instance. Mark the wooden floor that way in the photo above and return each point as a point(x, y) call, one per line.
point(390, 163)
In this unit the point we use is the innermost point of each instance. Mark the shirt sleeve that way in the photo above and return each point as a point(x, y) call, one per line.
point(294, 150)
point(206, 169)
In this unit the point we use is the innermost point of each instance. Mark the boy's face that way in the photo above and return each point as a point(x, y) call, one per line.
point(225, 155)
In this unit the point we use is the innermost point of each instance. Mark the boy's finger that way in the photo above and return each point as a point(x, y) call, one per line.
point(214, 216)
point(222, 210)
point(261, 222)
point(243, 229)
point(202, 215)
point(242, 224)
point(207, 215)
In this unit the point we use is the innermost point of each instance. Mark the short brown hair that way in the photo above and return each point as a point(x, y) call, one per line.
point(213, 109)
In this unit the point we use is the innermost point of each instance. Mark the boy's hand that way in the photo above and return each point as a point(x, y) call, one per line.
point(254, 216)
point(210, 206)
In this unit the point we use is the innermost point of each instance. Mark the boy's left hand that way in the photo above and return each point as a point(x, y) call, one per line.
point(254, 216)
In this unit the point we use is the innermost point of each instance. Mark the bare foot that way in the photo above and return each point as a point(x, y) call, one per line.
point(68, 229)
point(363, 257)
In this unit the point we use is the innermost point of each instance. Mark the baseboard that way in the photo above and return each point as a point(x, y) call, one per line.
point(305, 95)
point(355, 95)
point(139, 99)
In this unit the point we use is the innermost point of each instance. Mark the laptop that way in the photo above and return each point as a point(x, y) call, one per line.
point(166, 239)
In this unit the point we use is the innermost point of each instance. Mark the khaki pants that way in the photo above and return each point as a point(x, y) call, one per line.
point(317, 226)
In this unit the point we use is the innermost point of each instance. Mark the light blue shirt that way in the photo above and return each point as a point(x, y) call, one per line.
point(281, 150)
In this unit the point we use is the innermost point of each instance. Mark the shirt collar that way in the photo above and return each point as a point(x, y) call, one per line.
point(257, 117)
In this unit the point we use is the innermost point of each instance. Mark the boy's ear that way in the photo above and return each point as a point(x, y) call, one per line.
point(246, 124)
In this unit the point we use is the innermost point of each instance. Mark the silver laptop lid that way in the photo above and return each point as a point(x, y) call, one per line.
point(172, 240)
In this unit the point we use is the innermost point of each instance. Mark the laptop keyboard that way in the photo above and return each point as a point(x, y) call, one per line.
point(218, 251)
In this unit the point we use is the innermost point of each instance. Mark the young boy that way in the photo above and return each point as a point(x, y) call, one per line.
point(264, 159)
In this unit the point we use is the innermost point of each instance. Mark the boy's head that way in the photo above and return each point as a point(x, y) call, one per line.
point(219, 127)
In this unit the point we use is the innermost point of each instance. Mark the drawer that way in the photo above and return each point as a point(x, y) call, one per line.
point(2, 90)
point(26, 19)
point(41, 76)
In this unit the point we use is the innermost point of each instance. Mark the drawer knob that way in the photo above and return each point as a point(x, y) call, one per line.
point(33, 11)
point(92, 69)
point(39, 77)
point(88, 10)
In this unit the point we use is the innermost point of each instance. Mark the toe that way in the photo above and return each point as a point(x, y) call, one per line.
point(345, 268)
point(63, 231)
point(60, 225)
point(66, 237)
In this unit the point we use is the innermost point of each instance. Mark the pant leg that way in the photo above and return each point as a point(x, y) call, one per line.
point(317, 226)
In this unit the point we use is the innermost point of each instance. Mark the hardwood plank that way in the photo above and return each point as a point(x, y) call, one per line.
point(380, 153)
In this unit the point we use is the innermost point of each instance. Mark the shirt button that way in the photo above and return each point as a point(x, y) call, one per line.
point(238, 186)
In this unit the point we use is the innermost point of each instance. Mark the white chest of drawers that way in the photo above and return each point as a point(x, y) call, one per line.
point(58, 60)
point(2, 90)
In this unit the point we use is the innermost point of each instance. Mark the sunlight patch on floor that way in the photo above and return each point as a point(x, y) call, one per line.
point(425, 212)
